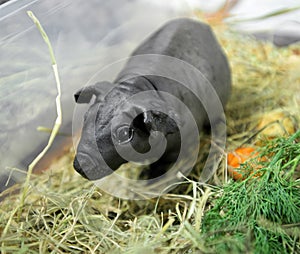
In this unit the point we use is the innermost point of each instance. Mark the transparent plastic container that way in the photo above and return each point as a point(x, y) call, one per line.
point(86, 36)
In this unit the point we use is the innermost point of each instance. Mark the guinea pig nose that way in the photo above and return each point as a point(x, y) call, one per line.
point(84, 165)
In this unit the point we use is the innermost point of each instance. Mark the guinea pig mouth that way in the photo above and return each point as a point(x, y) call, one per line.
point(88, 168)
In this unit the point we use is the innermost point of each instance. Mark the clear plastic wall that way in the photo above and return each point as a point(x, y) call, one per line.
point(86, 36)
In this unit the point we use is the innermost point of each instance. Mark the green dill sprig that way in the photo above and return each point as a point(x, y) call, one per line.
point(260, 207)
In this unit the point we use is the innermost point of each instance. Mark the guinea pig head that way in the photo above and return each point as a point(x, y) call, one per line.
point(95, 143)
point(113, 129)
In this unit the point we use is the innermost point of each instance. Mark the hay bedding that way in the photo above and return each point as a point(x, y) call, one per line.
point(64, 213)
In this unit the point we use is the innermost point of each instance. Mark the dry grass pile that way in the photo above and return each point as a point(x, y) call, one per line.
point(64, 213)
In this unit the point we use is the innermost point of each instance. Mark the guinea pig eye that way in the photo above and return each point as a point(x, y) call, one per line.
point(124, 134)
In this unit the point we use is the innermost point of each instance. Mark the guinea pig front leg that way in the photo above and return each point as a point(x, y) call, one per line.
point(155, 170)
point(161, 166)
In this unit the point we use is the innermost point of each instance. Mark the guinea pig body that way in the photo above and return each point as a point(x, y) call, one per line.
point(163, 64)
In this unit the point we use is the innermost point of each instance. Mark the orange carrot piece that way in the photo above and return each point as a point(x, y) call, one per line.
point(236, 158)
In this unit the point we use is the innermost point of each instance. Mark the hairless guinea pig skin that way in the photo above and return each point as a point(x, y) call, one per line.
point(185, 39)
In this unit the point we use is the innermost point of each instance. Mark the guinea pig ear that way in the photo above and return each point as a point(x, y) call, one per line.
point(85, 94)
point(159, 121)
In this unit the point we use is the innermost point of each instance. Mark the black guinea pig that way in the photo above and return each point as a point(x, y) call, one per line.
point(115, 125)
